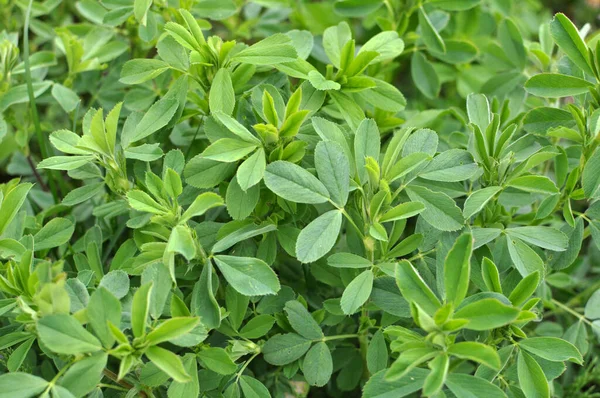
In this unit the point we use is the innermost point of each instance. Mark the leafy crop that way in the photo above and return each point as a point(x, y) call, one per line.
point(380, 198)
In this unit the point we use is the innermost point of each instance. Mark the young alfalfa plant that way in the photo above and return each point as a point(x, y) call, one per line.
point(277, 219)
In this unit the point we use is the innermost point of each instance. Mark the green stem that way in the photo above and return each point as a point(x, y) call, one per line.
point(113, 241)
point(34, 114)
point(244, 366)
point(362, 235)
point(570, 311)
point(339, 337)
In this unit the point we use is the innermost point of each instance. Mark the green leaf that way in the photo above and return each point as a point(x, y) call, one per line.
point(302, 321)
point(525, 288)
point(203, 302)
point(478, 110)
point(464, 385)
point(55, 233)
point(82, 194)
point(457, 269)
point(534, 184)
point(293, 183)
point(347, 260)
point(67, 98)
point(144, 152)
point(275, 49)
point(217, 360)
point(424, 75)
point(228, 150)
point(102, 308)
point(253, 388)
point(140, 10)
point(531, 377)
point(543, 119)
point(567, 37)
point(440, 210)
point(544, 237)
point(454, 5)
point(357, 292)
point(11, 203)
point(282, 349)
point(318, 237)
point(525, 259)
point(241, 204)
point(138, 71)
point(552, 349)
point(387, 44)
point(67, 141)
point(157, 117)
point(377, 353)
point(356, 8)
point(318, 365)
point(414, 288)
point(141, 201)
point(351, 112)
point(190, 388)
point(258, 326)
point(334, 171)
point(168, 362)
point(477, 352)
point(21, 385)
point(236, 128)
point(478, 199)
point(222, 97)
point(384, 96)
point(590, 179)
point(366, 144)
point(319, 81)
point(487, 314)
point(334, 39)
point(171, 329)
point(436, 378)
point(252, 170)
point(18, 355)
point(592, 307)
point(84, 375)
point(457, 52)
point(249, 276)
point(140, 309)
point(201, 205)
point(246, 232)
point(206, 173)
point(62, 334)
point(429, 34)
point(555, 85)
point(512, 43)
point(402, 211)
point(66, 163)
point(451, 165)
point(379, 387)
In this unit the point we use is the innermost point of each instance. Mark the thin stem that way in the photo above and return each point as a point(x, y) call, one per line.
point(362, 235)
point(570, 311)
point(37, 175)
point(118, 388)
point(339, 337)
point(421, 255)
point(244, 366)
point(75, 115)
point(34, 114)
point(113, 376)
point(113, 241)
point(187, 153)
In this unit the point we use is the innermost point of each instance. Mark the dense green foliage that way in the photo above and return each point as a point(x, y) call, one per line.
point(277, 198)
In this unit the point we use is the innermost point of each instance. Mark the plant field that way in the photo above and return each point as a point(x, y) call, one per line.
point(296, 198)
